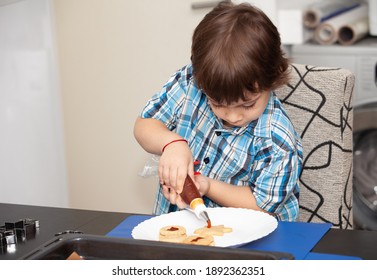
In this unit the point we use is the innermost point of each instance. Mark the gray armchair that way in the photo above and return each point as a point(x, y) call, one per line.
point(319, 103)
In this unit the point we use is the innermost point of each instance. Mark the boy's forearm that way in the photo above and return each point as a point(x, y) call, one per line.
point(232, 196)
point(153, 135)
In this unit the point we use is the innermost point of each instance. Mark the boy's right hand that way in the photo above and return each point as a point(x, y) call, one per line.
point(175, 163)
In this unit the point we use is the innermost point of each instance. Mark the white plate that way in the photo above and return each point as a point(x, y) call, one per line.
point(248, 225)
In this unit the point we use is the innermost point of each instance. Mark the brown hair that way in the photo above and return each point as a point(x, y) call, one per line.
point(237, 48)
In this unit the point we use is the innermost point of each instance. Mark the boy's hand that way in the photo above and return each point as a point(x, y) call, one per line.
point(173, 197)
point(175, 163)
point(203, 183)
point(170, 194)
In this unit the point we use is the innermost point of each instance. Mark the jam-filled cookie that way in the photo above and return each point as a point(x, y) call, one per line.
point(173, 233)
point(218, 230)
point(205, 240)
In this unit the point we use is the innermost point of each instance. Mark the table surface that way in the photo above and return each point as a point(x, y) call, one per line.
point(54, 220)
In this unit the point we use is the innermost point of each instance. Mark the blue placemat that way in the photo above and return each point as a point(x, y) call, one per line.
point(294, 238)
point(320, 256)
point(124, 229)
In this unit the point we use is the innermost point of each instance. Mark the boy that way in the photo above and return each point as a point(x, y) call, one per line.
point(221, 111)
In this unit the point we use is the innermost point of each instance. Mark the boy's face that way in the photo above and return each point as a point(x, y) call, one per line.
point(240, 113)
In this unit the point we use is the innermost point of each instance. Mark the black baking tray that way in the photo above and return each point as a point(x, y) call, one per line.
point(94, 247)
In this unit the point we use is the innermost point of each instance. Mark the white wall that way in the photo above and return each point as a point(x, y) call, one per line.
point(113, 56)
point(32, 161)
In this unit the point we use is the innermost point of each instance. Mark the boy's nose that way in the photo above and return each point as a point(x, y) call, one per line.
point(233, 117)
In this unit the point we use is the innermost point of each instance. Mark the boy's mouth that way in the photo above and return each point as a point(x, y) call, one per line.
point(229, 125)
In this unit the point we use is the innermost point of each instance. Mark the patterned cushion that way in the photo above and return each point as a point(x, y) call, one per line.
point(319, 103)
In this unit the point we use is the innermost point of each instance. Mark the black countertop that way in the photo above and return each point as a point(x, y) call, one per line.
point(53, 220)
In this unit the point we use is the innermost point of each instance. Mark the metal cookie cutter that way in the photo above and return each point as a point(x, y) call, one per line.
point(24, 229)
point(3, 240)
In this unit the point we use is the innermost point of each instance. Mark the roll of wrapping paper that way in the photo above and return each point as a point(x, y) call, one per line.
point(354, 31)
point(327, 32)
point(324, 10)
point(372, 17)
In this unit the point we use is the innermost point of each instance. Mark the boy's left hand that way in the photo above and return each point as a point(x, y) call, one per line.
point(173, 197)
point(170, 194)
point(203, 184)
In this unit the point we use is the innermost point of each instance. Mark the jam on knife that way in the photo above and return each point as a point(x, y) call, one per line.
point(191, 196)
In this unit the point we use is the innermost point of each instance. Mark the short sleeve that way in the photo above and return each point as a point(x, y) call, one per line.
point(276, 183)
point(166, 104)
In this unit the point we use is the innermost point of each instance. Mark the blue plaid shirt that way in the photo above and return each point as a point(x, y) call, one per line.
point(265, 155)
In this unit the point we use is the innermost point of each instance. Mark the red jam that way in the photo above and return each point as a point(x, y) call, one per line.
point(197, 239)
point(173, 229)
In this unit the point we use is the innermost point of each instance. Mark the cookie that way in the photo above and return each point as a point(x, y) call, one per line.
point(173, 230)
point(218, 230)
point(173, 233)
point(74, 256)
point(174, 239)
point(205, 240)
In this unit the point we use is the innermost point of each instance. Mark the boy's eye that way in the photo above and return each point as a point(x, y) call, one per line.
point(248, 106)
point(245, 107)
point(216, 105)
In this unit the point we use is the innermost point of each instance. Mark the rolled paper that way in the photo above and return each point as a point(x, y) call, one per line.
point(327, 32)
point(324, 10)
point(373, 17)
point(354, 31)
